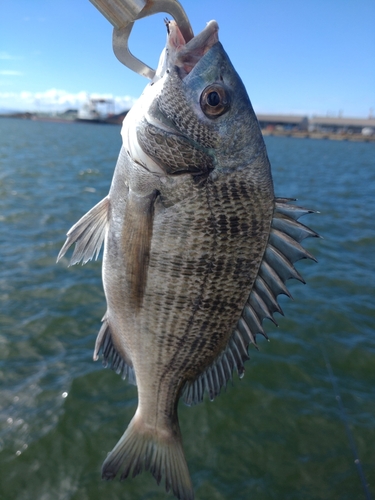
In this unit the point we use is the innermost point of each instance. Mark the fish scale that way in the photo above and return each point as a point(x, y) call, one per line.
point(196, 249)
point(219, 282)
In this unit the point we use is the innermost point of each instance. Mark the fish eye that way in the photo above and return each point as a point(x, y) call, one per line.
point(214, 101)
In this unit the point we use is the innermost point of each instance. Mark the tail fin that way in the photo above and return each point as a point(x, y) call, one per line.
point(163, 455)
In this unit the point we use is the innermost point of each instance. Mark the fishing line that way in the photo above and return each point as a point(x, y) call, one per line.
point(345, 419)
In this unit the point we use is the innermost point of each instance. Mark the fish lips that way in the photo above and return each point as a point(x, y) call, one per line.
point(185, 56)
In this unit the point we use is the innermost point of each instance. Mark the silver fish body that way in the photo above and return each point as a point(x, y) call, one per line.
point(196, 249)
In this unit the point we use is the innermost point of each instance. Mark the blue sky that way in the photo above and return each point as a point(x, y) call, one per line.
point(310, 57)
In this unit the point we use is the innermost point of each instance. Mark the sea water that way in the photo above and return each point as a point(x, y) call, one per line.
point(279, 433)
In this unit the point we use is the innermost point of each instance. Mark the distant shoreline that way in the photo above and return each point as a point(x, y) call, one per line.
point(116, 119)
point(277, 132)
point(319, 135)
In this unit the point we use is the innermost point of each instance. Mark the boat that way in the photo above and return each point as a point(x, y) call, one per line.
point(90, 112)
point(99, 110)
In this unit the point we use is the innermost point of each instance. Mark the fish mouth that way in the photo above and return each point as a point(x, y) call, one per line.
point(155, 124)
point(186, 55)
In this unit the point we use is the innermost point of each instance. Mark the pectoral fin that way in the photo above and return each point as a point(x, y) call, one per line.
point(137, 234)
point(88, 234)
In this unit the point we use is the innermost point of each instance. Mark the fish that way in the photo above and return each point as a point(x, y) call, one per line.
point(197, 249)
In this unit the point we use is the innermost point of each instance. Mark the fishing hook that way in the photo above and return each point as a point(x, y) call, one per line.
point(123, 13)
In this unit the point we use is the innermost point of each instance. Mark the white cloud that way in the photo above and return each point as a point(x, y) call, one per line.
point(6, 56)
point(56, 100)
point(10, 72)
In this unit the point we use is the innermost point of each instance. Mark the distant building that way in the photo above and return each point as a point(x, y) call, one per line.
point(342, 125)
point(283, 122)
point(70, 111)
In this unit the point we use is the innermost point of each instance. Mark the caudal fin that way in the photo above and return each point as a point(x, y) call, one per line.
point(162, 455)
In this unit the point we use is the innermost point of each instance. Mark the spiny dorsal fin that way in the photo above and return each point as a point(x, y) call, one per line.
point(88, 234)
point(283, 249)
point(111, 355)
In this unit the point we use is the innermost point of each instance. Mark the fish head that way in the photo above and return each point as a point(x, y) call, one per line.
point(195, 117)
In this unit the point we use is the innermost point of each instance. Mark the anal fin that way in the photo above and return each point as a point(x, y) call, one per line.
point(111, 356)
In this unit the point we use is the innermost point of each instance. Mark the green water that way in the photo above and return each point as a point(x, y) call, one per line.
point(276, 434)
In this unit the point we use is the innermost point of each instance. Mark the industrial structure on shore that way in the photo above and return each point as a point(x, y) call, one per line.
point(315, 127)
point(318, 126)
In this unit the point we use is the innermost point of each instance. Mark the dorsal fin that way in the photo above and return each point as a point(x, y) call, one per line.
point(283, 249)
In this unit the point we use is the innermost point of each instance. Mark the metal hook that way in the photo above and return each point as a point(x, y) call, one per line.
point(123, 13)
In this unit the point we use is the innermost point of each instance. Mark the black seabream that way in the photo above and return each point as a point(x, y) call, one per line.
point(196, 249)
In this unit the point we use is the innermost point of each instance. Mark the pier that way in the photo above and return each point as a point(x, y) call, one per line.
point(318, 127)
